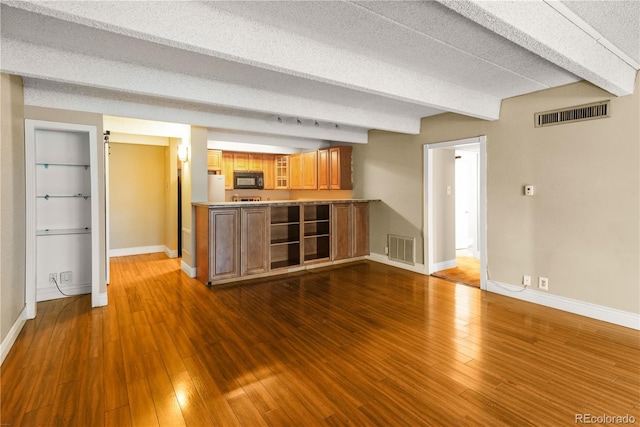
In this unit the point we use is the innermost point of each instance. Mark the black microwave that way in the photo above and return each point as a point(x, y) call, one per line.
point(248, 180)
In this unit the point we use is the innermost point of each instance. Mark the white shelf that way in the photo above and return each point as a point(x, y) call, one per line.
point(63, 231)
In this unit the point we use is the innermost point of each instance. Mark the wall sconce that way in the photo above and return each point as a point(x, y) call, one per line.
point(183, 152)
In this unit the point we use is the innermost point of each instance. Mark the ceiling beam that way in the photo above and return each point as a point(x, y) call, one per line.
point(543, 30)
point(223, 35)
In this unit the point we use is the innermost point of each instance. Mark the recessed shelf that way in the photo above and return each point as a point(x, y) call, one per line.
point(277, 242)
point(64, 196)
point(46, 165)
point(65, 231)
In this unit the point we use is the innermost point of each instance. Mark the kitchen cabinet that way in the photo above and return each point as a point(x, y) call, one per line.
point(254, 248)
point(240, 161)
point(214, 160)
point(282, 172)
point(227, 169)
point(360, 229)
point(341, 239)
point(340, 168)
point(217, 244)
point(295, 171)
point(323, 169)
point(269, 169)
point(255, 162)
point(310, 170)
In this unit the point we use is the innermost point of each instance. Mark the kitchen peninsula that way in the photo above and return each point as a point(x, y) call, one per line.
point(242, 240)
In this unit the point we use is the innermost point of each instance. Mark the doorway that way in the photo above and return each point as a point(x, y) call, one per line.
point(455, 197)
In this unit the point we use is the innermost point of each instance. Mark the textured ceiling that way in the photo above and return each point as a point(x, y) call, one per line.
point(350, 66)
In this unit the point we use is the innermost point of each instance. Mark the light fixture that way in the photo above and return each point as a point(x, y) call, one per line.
point(183, 152)
point(298, 120)
point(317, 125)
point(279, 119)
point(337, 127)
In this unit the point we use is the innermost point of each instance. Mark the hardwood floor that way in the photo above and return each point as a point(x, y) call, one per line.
point(466, 272)
point(362, 344)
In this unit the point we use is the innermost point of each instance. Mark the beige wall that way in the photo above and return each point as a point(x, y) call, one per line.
point(171, 197)
point(444, 206)
point(91, 119)
point(137, 207)
point(12, 202)
point(581, 229)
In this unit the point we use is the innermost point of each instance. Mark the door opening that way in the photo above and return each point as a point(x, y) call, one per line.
point(455, 214)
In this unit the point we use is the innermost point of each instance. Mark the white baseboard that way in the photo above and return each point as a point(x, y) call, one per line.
point(53, 293)
point(170, 253)
point(384, 259)
point(12, 335)
point(594, 311)
point(140, 250)
point(188, 270)
point(100, 301)
point(444, 265)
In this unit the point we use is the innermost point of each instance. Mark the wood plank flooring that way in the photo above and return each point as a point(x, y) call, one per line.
point(361, 344)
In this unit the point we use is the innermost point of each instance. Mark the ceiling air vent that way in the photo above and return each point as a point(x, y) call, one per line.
point(598, 110)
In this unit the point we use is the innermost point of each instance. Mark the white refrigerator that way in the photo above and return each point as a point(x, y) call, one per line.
point(216, 188)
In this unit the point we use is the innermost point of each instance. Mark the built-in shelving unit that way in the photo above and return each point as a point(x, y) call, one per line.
point(62, 209)
point(316, 233)
point(285, 236)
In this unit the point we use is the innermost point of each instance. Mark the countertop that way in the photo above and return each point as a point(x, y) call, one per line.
point(279, 203)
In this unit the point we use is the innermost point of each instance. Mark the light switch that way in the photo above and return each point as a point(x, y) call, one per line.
point(529, 190)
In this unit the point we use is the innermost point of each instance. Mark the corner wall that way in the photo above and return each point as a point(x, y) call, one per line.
point(12, 208)
point(581, 229)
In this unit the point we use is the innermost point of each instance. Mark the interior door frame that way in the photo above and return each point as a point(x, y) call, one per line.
point(482, 201)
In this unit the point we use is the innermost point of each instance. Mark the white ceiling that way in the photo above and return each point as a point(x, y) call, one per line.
point(350, 66)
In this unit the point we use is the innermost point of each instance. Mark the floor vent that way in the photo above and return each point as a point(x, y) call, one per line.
point(599, 110)
point(402, 249)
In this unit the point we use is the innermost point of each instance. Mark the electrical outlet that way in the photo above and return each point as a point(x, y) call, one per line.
point(543, 283)
point(526, 280)
point(65, 277)
point(386, 250)
point(53, 277)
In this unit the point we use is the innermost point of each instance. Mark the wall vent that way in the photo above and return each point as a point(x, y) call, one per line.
point(598, 110)
point(402, 249)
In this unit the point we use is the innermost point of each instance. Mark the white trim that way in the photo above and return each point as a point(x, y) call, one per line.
point(139, 250)
point(444, 265)
point(12, 335)
point(384, 259)
point(170, 253)
point(70, 290)
point(594, 311)
point(101, 300)
point(188, 270)
point(430, 265)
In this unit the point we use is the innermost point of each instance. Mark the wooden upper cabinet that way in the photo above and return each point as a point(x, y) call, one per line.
point(323, 169)
point(269, 169)
point(214, 160)
point(255, 162)
point(340, 168)
point(240, 161)
point(282, 172)
point(310, 170)
point(227, 169)
point(295, 171)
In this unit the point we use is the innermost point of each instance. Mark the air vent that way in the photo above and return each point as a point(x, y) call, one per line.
point(573, 114)
point(402, 249)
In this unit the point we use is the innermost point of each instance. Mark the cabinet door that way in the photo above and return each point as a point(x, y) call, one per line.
point(341, 242)
point(269, 169)
point(224, 243)
point(255, 162)
point(255, 242)
point(295, 171)
point(227, 169)
point(323, 169)
point(282, 172)
point(360, 229)
point(310, 170)
point(340, 168)
point(214, 160)
point(240, 161)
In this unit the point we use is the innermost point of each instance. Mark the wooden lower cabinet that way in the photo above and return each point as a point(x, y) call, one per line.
point(341, 240)
point(217, 244)
point(254, 256)
point(360, 229)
